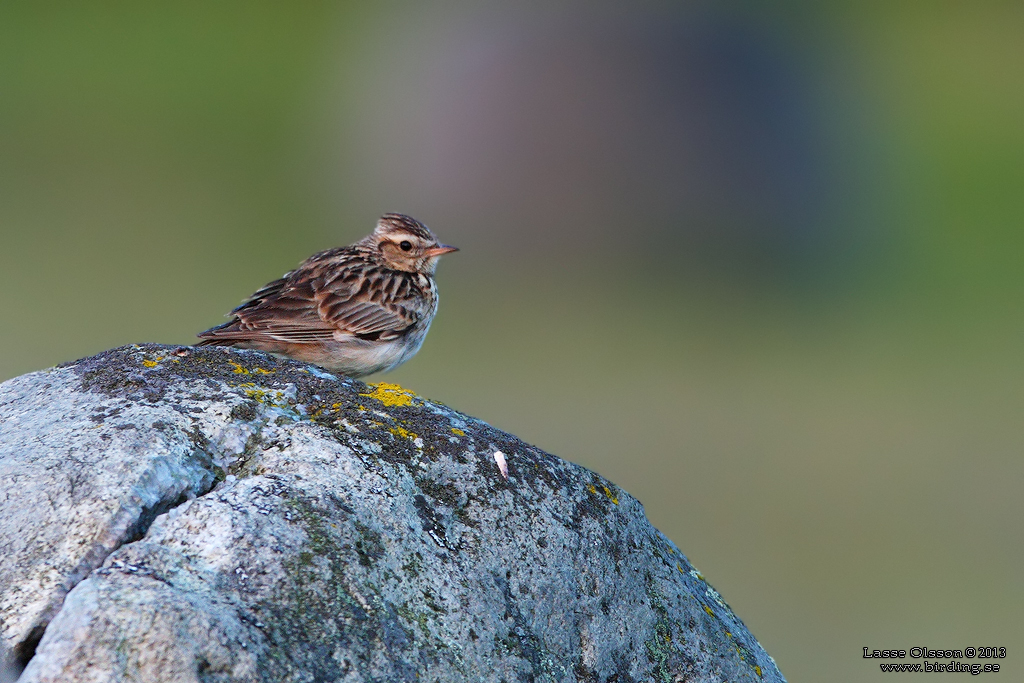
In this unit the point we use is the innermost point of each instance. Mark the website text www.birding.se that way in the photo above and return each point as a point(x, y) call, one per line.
point(929, 665)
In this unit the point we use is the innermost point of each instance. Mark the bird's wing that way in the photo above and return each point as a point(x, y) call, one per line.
point(324, 300)
point(284, 310)
point(370, 305)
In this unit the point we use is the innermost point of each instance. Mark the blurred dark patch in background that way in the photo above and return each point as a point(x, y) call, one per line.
point(646, 139)
point(760, 265)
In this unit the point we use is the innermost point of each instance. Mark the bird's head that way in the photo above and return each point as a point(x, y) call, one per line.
point(404, 243)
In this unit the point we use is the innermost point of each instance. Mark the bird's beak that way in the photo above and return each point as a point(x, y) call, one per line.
point(440, 249)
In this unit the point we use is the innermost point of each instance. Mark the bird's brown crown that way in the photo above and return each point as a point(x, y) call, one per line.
point(393, 223)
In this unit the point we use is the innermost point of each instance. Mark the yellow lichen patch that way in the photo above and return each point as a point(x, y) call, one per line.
point(611, 497)
point(391, 394)
point(680, 569)
point(458, 432)
point(757, 669)
point(591, 488)
point(708, 610)
point(239, 370)
point(266, 396)
point(398, 430)
point(150, 363)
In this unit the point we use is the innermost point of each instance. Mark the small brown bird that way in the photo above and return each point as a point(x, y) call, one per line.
point(353, 310)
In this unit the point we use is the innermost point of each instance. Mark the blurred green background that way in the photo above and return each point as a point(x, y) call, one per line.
point(761, 266)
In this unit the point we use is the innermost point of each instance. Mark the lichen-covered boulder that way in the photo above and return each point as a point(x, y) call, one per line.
point(184, 514)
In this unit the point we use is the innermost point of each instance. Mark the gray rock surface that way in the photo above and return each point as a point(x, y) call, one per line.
point(184, 514)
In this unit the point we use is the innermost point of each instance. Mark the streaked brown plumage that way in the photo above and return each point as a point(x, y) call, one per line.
point(353, 310)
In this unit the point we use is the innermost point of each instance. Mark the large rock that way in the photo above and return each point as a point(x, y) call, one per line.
point(183, 514)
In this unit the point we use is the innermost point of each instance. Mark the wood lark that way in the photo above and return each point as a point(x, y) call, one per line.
point(353, 310)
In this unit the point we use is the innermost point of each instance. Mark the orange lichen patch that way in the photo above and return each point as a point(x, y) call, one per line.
point(391, 395)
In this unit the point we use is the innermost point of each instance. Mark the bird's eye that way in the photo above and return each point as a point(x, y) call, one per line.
point(406, 245)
